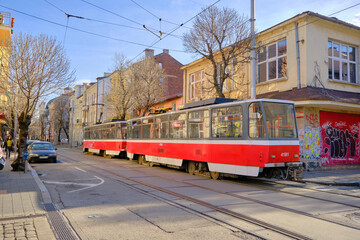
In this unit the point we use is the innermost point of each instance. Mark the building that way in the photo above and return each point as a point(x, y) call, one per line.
point(103, 112)
point(314, 61)
point(90, 104)
point(6, 24)
point(77, 115)
point(172, 81)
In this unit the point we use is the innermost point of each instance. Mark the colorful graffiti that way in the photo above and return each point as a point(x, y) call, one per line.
point(313, 119)
point(340, 138)
point(310, 143)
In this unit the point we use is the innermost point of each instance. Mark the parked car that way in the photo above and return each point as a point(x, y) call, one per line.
point(29, 142)
point(42, 151)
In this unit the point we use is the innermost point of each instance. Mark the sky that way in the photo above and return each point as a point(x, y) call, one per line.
point(107, 27)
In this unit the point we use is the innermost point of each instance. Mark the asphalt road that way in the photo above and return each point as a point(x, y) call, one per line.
point(118, 199)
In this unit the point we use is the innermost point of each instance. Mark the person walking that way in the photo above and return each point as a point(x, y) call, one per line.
point(9, 146)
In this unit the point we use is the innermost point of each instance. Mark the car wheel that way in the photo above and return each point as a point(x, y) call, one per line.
point(54, 161)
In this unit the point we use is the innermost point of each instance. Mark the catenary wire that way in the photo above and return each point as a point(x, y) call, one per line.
point(160, 19)
point(84, 31)
point(100, 21)
point(152, 45)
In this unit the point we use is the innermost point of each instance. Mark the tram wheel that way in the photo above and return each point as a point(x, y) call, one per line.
point(104, 153)
point(141, 160)
point(191, 167)
point(215, 175)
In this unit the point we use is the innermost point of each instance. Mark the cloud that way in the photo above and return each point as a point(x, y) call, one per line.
point(356, 20)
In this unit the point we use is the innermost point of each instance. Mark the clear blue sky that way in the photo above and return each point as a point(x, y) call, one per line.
point(92, 55)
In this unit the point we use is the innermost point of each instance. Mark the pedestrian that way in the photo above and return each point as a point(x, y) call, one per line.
point(2, 159)
point(9, 146)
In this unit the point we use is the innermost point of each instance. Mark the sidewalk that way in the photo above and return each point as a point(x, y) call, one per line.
point(339, 177)
point(22, 214)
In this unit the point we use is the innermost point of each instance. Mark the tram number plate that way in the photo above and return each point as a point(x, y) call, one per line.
point(43, 157)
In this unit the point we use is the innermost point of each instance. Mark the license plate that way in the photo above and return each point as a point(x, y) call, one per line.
point(43, 157)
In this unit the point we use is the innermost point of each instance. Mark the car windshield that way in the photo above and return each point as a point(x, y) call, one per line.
point(42, 146)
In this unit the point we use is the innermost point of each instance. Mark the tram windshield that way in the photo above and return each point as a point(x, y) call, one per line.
point(279, 117)
point(280, 120)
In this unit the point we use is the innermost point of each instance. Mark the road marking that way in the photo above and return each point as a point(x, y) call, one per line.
point(80, 169)
point(86, 185)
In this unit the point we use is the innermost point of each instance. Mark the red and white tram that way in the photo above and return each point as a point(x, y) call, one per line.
point(106, 139)
point(251, 138)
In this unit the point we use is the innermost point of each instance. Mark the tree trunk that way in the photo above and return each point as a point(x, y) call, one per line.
point(24, 123)
point(59, 135)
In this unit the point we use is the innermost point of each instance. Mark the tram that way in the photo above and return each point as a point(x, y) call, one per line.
point(250, 138)
point(107, 139)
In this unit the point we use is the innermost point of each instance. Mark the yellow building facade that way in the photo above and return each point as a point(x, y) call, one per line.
point(5, 38)
point(312, 60)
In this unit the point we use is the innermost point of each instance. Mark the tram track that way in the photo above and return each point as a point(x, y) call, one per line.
point(257, 222)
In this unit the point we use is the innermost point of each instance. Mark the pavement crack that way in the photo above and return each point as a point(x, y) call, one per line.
point(142, 217)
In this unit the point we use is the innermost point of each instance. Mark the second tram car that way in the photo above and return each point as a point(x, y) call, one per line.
point(106, 139)
point(251, 138)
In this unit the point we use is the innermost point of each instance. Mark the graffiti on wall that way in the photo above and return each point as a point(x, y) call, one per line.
point(312, 119)
point(310, 143)
point(340, 138)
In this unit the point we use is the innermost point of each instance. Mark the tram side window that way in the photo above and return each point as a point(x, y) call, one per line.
point(136, 128)
point(178, 125)
point(111, 132)
point(123, 131)
point(118, 131)
point(198, 124)
point(227, 122)
point(256, 121)
point(147, 125)
point(87, 133)
point(129, 129)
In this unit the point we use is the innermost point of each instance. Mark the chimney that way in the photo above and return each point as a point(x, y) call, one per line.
point(166, 51)
point(149, 52)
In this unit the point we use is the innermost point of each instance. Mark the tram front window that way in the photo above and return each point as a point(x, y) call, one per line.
point(280, 120)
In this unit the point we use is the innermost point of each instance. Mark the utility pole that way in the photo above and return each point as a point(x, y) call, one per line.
point(253, 54)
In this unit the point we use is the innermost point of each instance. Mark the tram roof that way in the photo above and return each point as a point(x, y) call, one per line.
point(225, 104)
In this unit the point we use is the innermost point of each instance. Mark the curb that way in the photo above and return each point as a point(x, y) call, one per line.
point(44, 192)
point(350, 184)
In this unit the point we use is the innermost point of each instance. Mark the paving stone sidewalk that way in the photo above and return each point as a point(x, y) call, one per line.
point(22, 214)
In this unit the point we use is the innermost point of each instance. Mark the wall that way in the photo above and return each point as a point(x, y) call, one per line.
point(308, 123)
point(340, 138)
point(318, 34)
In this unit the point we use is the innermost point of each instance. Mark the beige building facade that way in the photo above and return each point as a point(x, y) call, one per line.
point(314, 61)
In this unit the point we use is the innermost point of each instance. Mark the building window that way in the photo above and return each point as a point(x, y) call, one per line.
point(342, 62)
point(197, 85)
point(272, 62)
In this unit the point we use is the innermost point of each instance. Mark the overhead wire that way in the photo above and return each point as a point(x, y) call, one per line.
point(152, 45)
point(83, 31)
point(159, 18)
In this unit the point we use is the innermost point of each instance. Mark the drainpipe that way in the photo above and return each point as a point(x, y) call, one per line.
point(297, 54)
point(253, 55)
point(185, 87)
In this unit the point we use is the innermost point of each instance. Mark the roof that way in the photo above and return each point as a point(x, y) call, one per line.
point(313, 93)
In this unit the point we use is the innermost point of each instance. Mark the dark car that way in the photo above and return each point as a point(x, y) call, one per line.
point(29, 142)
point(42, 151)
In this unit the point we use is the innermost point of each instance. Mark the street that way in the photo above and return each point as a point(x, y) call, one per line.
point(104, 198)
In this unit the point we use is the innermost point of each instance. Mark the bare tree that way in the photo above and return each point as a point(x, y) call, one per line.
point(60, 116)
point(119, 99)
point(37, 67)
point(222, 37)
point(146, 84)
